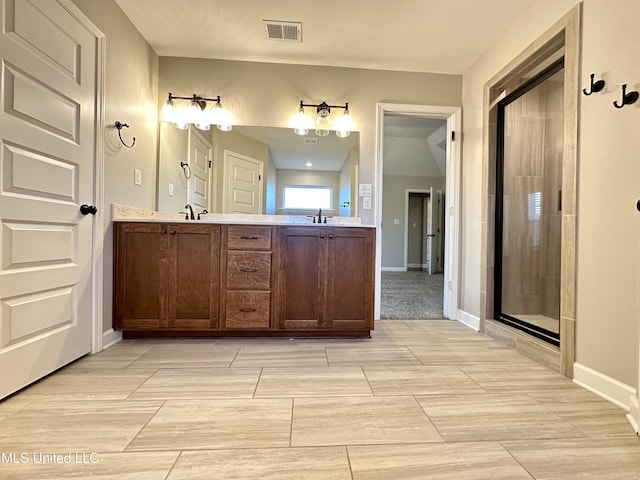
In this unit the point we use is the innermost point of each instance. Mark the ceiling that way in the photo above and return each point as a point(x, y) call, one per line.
point(439, 36)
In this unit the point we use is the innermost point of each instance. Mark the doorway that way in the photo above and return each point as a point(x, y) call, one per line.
point(391, 231)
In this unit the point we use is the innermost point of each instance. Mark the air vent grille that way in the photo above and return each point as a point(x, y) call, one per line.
point(310, 141)
point(277, 30)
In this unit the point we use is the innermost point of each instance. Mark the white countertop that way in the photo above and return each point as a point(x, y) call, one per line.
point(123, 213)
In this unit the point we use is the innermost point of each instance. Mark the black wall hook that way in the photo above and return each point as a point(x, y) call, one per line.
point(120, 126)
point(595, 86)
point(627, 98)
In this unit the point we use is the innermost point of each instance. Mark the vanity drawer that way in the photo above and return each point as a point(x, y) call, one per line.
point(249, 237)
point(247, 309)
point(248, 270)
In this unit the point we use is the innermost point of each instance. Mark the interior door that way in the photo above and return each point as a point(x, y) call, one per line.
point(200, 156)
point(434, 231)
point(47, 136)
point(242, 183)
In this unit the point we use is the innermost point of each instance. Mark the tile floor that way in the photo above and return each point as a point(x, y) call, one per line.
point(427, 399)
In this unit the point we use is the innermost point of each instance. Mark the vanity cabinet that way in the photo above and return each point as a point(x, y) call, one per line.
point(247, 274)
point(326, 278)
point(166, 276)
point(207, 279)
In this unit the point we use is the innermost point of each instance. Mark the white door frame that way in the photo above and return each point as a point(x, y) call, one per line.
point(452, 196)
point(406, 222)
point(97, 260)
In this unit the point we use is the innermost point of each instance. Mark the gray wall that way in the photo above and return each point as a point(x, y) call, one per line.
point(269, 94)
point(131, 96)
point(393, 207)
point(607, 182)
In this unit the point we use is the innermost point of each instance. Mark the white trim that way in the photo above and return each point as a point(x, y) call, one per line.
point(451, 190)
point(407, 193)
point(393, 269)
point(110, 338)
point(634, 413)
point(471, 321)
point(602, 385)
point(97, 261)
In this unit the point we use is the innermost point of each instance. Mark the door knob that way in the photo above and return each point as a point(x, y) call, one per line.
point(88, 209)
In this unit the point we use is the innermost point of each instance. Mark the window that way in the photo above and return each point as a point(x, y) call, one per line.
point(307, 197)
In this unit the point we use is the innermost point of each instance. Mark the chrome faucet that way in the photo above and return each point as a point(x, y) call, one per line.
point(191, 215)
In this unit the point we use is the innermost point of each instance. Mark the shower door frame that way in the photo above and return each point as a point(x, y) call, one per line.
point(513, 321)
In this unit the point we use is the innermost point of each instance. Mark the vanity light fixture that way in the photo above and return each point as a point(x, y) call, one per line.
point(342, 125)
point(198, 113)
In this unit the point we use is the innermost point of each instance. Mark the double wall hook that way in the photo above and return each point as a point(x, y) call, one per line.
point(627, 98)
point(120, 126)
point(595, 87)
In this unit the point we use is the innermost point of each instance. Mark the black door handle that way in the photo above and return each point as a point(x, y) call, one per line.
point(88, 209)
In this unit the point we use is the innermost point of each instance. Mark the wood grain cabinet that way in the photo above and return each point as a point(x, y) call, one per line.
point(326, 278)
point(202, 279)
point(166, 276)
point(247, 273)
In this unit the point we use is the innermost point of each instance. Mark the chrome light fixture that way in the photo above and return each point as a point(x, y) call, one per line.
point(343, 125)
point(198, 113)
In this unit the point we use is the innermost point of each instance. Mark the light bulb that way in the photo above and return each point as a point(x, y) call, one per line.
point(223, 118)
point(168, 110)
point(344, 125)
point(323, 121)
point(301, 122)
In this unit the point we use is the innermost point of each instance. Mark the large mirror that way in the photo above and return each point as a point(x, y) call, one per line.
point(264, 170)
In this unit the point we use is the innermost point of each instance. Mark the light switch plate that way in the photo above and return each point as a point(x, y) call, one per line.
point(396, 221)
point(365, 190)
point(171, 189)
point(137, 176)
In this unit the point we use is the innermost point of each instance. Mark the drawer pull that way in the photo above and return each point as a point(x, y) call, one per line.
point(248, 310)
point(248, 237)
point(249, 270)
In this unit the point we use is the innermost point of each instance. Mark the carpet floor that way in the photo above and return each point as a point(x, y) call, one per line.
point(411, 295)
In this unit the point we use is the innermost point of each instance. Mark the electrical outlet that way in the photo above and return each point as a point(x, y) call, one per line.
point(171, 189)
point(396, 221)
point(366, 203)
point(137, 176)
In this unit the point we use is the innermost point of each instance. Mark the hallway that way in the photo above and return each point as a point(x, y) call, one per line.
point(420, 400)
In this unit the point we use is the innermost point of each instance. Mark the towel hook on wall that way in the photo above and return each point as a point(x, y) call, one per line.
point(627, 97)
point(120, 126)
point(595, 87)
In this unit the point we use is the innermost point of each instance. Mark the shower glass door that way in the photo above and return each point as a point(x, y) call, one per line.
point(529, 205)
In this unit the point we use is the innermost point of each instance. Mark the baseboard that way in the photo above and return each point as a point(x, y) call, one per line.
point(469, 320)
point(110, 337)
point(634, 413)
point(602, 385)
point(393, 269)
point(422, 266)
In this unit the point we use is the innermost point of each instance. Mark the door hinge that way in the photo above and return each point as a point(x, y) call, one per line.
point(453, 135)
point(259, 177)
point(210, 163)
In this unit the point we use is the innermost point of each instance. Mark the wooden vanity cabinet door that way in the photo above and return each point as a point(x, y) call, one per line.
point(350, 277)
point(141, 275)
point(193, 276)
point(302, 277)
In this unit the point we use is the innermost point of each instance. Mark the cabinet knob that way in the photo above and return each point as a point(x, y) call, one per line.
point(164, 232)
point(173, 232)
point(322, 235)
point(331, 235)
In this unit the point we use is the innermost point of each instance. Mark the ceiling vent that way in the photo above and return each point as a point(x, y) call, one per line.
point(310, 141)
point(277, 30)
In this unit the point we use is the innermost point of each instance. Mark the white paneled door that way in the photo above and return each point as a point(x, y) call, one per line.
point(47, 135)
point(200, 162)
point(242, 183)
